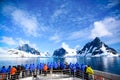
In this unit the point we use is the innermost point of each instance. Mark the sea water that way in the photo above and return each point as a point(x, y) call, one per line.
point(107, 64)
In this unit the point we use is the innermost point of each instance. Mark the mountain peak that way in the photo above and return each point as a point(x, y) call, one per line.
point(96, 47)
point(59, 52)
point(65, 52)
point(25, 45)
point(97, 39)
point(27, 48)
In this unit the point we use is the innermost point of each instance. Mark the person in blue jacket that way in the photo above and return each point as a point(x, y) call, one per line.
point(41, 68)
point(62, 65)
point(83, 69)
point(30, 69)
point(74, 70)
point(38, 67)
point(50, 65)
point(33, 68)
point(8, 71)
point(3, 70)
point(26, 69)
point(55, 66)
point(70, 67)
point(77, 66)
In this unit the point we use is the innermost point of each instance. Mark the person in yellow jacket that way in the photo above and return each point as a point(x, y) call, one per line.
point(90, 72)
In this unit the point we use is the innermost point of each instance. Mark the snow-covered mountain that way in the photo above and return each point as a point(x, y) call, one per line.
point(97, 48)
point(28, 49)
point(22, 51)
point(65, 52)
point(13, 53)
point(19, 53)
point(59, 52)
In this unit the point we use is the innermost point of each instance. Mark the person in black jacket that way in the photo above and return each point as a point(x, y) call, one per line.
point(18, 71)
point(23, 71)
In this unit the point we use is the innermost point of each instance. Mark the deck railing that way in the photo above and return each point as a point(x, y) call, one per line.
point(65, 73)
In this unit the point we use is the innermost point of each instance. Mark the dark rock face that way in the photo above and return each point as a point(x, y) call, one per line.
point(94, 47)
point(28, 49)
point(59, 52)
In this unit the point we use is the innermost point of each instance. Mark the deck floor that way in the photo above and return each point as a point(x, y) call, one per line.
point(52, 77)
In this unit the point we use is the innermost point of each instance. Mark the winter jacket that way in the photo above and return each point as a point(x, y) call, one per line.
point(13, 71)
point(89, 70)
point(45, 67)
point(3, 70)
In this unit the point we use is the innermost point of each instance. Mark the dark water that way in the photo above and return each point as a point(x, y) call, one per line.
point(107, 64)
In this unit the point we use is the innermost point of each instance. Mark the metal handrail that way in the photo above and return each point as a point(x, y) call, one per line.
point(26, 73)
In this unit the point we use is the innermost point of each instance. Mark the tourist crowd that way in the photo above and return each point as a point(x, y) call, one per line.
point(14, 72)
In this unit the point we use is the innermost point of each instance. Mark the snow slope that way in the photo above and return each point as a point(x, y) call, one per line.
point(19, 53)
point(106, 52)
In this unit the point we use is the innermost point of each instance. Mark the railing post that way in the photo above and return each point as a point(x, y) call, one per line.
point(51, 71)
point(82, 75)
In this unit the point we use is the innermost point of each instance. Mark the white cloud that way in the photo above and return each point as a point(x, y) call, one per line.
point(8, 40)
point(55, 38)
point(112, 3)
point(17, 41)
point(109, 27)
point(99, 30)
point(27, 22)
point(66, 46)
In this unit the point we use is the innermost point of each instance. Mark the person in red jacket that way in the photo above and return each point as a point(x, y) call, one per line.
point(45, 69)
point(13, 72)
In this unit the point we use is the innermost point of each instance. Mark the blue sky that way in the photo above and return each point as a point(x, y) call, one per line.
point(49, 24)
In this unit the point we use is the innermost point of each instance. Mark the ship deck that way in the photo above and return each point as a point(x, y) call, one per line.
point(52, 77)
point(60, 75)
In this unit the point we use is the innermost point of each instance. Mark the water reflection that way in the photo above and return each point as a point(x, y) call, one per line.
point(66, 59)
point(58, 59)
point(71, 60)
point(108, 64)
